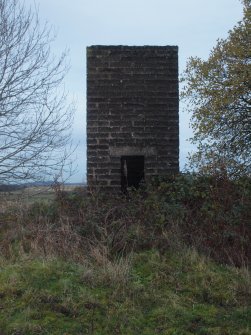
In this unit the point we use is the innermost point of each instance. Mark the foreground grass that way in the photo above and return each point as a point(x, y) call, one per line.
point(144, 293)
point(131, 262)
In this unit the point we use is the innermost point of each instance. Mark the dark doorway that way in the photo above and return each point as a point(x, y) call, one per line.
point(132, 171)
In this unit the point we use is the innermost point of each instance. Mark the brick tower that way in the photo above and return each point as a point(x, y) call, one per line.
point(132, 114)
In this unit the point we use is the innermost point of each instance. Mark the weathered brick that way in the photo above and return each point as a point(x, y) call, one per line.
point(132, 102)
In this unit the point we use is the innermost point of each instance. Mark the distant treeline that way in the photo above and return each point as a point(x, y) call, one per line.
point(15, 187)
point(9, 188)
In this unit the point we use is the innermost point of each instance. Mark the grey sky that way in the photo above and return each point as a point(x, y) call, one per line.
point(193, 25)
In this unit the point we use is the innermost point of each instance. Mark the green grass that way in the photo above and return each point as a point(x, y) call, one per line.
point(147, 293)
point(135, 265)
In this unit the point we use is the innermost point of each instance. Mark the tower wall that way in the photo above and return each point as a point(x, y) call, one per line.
point(132, 110)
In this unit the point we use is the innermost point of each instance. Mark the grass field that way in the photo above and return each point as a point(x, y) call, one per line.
point(74, 264)
point(147, 293)
point(29, 195)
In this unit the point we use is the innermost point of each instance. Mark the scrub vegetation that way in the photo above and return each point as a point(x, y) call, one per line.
point(170, 258)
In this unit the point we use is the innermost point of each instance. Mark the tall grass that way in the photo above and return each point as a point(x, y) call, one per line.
point(210, 214)
point(170, 258)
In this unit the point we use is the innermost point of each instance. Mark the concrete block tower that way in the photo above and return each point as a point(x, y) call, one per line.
point(132, 114)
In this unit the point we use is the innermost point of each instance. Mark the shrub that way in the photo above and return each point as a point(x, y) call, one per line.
point(209, 213)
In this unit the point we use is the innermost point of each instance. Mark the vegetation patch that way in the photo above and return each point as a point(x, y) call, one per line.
point(162, 294)
point(160, 260)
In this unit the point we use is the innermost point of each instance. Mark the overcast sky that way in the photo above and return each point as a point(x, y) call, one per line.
point(193, 25)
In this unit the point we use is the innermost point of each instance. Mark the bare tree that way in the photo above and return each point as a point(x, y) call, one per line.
point(35, 121)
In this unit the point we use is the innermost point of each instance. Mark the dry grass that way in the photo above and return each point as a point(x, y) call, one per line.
point(113, 265)
point(170, 215)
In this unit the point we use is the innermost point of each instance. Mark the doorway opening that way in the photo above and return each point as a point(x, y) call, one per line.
point(132, 171)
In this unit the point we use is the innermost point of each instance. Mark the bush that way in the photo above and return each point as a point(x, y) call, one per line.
point(213, 213)
point(208, 213)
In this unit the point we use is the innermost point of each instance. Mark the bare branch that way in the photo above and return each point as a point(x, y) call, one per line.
point(35, 121)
